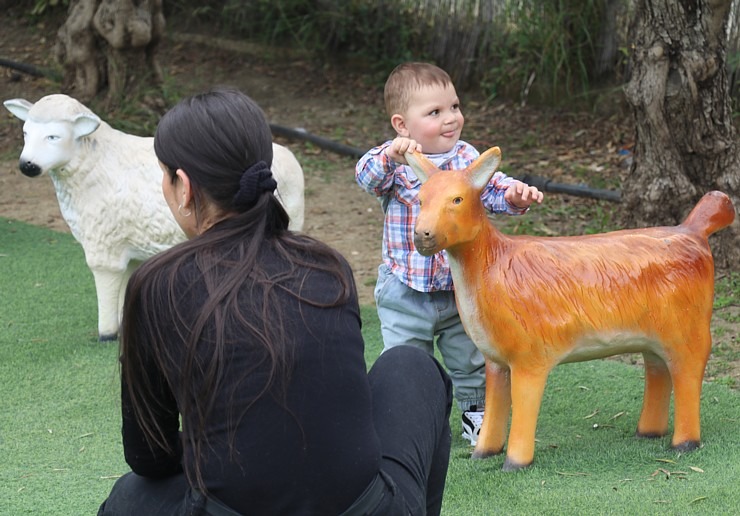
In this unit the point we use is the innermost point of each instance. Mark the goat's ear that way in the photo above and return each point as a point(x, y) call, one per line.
point(422, 167)
point(85, 123)
point(482, 169)
point(19, 107)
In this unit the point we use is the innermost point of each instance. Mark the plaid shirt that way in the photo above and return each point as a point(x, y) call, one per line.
point(397, 188)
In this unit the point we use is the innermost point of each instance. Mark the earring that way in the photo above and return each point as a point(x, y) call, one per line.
point(179, 210)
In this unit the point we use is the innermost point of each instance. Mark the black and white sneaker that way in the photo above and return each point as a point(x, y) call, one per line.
point(471, 423)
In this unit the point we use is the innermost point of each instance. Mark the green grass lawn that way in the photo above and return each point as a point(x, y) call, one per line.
point(60, 449)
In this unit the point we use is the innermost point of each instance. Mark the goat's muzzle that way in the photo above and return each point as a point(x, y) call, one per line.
point(425, 243)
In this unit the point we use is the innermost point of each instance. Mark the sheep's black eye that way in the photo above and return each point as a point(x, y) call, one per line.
point(457, 200)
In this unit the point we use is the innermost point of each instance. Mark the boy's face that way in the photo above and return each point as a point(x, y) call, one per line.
point(433, 119)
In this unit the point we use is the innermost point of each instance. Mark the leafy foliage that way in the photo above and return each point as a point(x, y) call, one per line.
point(501, 44)
point(42, 6)
point(545, 52)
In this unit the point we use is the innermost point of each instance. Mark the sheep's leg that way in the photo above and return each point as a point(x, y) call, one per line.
point(108, 286)
point(496, 417)
point(122, 289)
point(527, 387)
point(688, 373)
point(656, 400)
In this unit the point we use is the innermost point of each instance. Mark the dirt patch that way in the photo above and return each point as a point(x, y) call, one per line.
point(340, 104)
point(293, 94)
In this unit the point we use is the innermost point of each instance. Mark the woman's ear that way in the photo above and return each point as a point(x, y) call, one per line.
point(184, 189)
point(399, 125)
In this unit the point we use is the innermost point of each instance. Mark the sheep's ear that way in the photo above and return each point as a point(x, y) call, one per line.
point(422, 167)
point(19, 107)
point(85, 124)
point(482, 169)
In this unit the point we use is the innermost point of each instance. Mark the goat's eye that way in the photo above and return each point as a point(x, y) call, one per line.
point(457, 200)
point(52, 137)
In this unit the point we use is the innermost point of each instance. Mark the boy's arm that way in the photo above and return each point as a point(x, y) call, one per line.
point(505, 194)
point(375, 170)
point(521, 195)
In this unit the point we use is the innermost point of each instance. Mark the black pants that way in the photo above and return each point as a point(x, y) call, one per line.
point(412, 399)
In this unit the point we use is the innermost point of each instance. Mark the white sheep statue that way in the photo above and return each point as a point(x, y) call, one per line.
point(109, 187)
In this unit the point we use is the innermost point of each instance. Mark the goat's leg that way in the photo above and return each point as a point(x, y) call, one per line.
point(496, 416)
point(656, 399)
point(108, 285)
point(688, 373)
point(527, 387)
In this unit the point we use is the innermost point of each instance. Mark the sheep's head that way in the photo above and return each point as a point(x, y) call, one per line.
point(52, 128)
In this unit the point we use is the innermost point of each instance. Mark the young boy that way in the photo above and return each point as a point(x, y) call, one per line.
point(414, 294)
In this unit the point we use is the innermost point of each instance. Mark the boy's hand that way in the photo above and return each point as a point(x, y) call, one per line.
point(400, 146)
point(522, 195)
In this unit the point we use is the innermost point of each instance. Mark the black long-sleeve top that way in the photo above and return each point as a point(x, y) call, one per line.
point(313, 451)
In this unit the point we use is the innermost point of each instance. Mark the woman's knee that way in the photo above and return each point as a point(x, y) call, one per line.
point(411, 364)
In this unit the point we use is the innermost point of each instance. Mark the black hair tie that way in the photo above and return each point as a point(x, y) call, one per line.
point(256, 180)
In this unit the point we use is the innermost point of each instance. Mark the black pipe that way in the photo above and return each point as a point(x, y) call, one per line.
point(547, 185)
point(544, 184)
point(29, 69)
point(333, 146)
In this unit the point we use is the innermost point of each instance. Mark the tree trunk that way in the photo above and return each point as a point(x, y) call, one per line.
point(110, 44)
point(686, 143)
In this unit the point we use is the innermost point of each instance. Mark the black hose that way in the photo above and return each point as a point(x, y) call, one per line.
point(22, 67)
point(547, 185)
point(333, 146)
point(29, 69)
point(544, 184)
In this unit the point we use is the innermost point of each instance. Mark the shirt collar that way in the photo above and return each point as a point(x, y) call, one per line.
point(441, 159)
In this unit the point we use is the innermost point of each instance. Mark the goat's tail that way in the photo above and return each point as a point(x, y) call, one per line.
point(713, 212)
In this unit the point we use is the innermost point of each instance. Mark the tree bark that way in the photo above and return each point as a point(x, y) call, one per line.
point(110, 44)
point(686, 143)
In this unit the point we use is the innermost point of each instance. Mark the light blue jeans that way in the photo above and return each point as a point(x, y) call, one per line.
point(416, 318)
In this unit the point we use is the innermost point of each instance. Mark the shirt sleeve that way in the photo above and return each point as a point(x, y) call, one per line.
point(493, 195)
point(145, 458)
point(375, 171)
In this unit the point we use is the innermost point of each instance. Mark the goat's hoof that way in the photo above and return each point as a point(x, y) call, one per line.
point(108, 338)
point(484, 454)
point(512, 465)
point(686, 446)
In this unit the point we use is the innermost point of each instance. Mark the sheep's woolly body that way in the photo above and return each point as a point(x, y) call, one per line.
point(109, 187)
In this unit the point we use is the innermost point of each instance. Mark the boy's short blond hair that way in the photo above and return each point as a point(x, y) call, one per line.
point(406, 78)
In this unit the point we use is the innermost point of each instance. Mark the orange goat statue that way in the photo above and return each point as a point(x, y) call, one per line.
point(530, 303)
